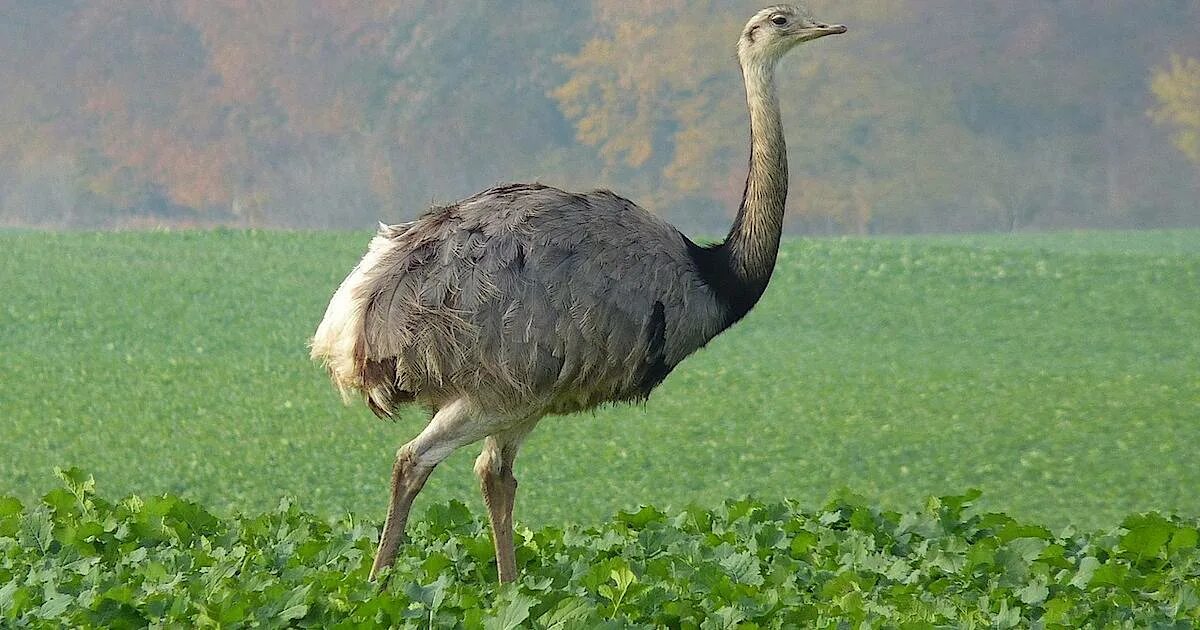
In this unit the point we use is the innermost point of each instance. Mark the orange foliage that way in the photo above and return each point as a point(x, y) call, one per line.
point(267, 74)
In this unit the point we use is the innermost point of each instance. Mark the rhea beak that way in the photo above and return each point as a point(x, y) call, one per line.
point(821, 30)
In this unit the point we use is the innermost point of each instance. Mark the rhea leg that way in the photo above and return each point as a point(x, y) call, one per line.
point(495, 469)
point(408, 477)
point(453, 426)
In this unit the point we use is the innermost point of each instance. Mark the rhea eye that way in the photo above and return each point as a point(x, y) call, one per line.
point(779, 20)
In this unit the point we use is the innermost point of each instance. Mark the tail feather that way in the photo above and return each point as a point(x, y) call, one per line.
point(339, 342)
point(379, 388)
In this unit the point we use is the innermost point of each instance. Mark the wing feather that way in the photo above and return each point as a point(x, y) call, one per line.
point(521, 295)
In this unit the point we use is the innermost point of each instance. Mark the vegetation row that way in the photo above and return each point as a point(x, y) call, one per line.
point(79, 560)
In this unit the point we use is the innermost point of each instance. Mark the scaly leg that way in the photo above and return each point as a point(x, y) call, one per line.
point(408, 477)
point(495, 469)
point(453, 426)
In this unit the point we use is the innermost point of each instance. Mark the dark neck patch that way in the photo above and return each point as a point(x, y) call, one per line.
point(737, 294)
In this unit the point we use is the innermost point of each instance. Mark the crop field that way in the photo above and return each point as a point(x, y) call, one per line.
point(1059, 374)
point(81, 561)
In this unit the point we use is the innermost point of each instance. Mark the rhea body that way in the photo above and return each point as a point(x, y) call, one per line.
point(525, 300)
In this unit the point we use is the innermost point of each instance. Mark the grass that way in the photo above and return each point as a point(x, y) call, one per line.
point(1060, 374)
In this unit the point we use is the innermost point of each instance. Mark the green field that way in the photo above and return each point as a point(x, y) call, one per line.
point(1058, 373)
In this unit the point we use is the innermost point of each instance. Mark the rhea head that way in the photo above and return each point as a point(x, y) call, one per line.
point(774, 31)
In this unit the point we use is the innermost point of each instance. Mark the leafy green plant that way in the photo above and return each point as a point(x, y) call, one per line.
point(79, 560)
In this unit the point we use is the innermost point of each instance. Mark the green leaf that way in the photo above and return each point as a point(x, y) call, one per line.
point(158, 506)
point(1109, 574)
point(1007, 617)
point(829, 518)
point(982, 553)
point(1013, 531)
point(10, 506)
point(955, 504)
point(743, 568)
point(623, 576)
point(512, 610)
point(295, 606)
point(37, 531)
point(1056, 610)
point(1027, 549)
point(739, 509)
point(10, 516)
point(1148, 534)
point(1184, 538)
point(1188, 601)
point(6, 595)
point(448, 517)
point(572, 610)
point(293, 612)
point(61, 501)
point(56, 605)
point(78, 481)
point(802, 543)
point(1087, 568)
point(430, 596)
point(1033, 594)
point(643, 517)
point(480, 547)
point(436, 563)
point(725, 618)
point(862, 520)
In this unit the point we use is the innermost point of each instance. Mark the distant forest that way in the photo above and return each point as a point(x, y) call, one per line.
point(929, 115)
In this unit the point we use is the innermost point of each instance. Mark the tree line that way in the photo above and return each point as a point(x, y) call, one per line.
point(930, 115)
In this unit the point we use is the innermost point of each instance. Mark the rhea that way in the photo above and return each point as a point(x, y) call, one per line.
point(525, 301)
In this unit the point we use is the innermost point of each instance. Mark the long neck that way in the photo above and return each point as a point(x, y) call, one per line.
point(753, 241)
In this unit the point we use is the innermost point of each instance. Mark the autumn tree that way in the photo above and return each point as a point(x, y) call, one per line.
point(931, 115)
point(1177, 88)
point(672, 119)
point(266, 112)
point(1058, 90)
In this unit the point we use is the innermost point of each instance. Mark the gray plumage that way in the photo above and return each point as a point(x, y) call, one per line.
point(525, 300)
